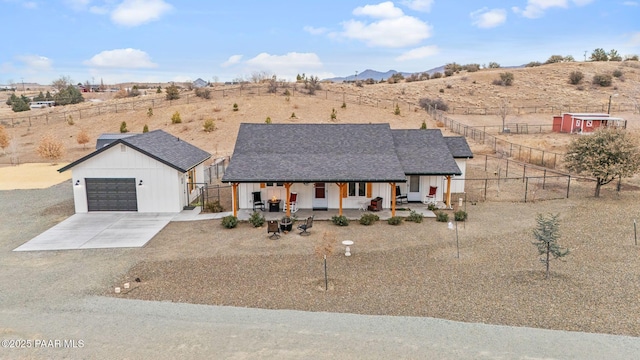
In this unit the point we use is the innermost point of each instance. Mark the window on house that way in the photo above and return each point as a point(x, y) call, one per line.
point(276, 184)
point(357, 189)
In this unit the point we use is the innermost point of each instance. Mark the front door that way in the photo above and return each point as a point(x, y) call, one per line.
point(320, 199)
point(413, 186)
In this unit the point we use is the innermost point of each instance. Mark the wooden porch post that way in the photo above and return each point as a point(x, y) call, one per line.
point(286, 200)
point(235, 199)
point(449, 191)
point(393, 199)
point(341, 187)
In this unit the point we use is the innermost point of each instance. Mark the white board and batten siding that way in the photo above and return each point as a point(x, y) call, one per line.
point(163, 188)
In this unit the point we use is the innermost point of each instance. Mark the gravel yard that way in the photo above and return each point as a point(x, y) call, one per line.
point(413, 269)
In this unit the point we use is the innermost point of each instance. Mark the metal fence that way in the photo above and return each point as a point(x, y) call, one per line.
point(153, 101)
point(502, 147)
point(213, 173)
point(211, 194)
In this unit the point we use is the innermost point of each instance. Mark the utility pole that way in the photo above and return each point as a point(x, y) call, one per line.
point(22, 79)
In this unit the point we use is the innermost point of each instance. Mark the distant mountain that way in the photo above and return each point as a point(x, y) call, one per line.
point(377, 75)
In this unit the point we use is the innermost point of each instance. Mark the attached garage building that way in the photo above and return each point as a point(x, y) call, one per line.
point(150, 172)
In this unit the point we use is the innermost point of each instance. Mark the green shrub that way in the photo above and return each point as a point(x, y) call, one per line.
point(175, 118)
point(256, 219)
point(293, 115)
point(344, 105)
point(436, 75)
point(533, 64)
point(334, 114)
point(507, 78)
point(145, 128)
point(394, 220)
point(150, 112)
point(209, 126)
point(268, 120)
point(235, 107)
point(460, 215)
point(432, 207)
point(203, 93)
point(602, 80)
point(368, 218)
point(213, 206)
point(172, 92)
point(123, 127)
point(442, 216)
point(617, 73)
point(415, 217)
point(576, 77)
point(397, 110)
point(230, 221)
point(423, 126)
point(340, 220)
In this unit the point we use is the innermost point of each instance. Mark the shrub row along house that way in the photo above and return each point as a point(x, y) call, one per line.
point(343, 166)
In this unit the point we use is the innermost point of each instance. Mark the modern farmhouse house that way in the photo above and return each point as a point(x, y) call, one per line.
point(343, 166)
point(149, 172)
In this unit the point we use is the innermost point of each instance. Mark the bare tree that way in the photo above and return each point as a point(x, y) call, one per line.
point(503, 111)
point(62, 83)
point(4, 139)
point(50, 148)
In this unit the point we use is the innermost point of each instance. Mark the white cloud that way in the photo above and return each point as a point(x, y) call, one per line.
point(35, 62)
point(536, 8)
point(233, 59)
point(122, 58)
point(394, 29)
point(138, 12)
point(99, 10)
point(419, 5)
point(383, 10)
point(485, 18)
point(419, 53)
point(285, 66)
point(314, 31)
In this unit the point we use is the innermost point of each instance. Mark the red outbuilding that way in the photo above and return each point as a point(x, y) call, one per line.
point(585, 122)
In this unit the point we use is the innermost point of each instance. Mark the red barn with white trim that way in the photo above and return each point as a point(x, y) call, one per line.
point(585, 122)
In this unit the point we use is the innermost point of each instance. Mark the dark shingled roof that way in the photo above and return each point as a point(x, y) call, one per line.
point(458, 146)
point(314, 153)
point(106, 139)
point(158, 145)
point(424, 152)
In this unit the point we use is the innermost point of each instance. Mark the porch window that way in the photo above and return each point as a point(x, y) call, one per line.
point(357, 189)
point(414, 183)
point(276, 184)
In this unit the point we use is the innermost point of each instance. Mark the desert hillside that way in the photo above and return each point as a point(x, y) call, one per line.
point(545, 87)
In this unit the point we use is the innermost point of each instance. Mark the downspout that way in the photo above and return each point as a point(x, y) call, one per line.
point(449, 191)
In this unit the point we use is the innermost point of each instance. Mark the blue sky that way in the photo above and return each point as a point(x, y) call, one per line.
point(179, 40)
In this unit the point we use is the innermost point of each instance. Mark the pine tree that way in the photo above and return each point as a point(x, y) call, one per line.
point(547, 233)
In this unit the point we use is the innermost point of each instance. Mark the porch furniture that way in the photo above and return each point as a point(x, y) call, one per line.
point(399, 197)
point(376, 204)
point(293, 203)
point(286, 224)
point(257, 201)
point(347, 249)
point(308, 224)
point(274, 205)
point(273, 229)
point(430, 198)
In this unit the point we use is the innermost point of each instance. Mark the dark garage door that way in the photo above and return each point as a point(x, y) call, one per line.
point(111, 194)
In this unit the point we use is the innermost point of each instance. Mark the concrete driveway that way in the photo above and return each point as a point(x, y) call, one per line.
point(99, 231)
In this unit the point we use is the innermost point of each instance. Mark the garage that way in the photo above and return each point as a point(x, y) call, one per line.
point(111, 194)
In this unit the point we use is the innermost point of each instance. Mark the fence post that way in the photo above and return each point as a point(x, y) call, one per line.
point(526, 188)
point(486, 158)
point(506, 173)
point(544, 178)
point(485, 189)
point(524, 172)
point(568, 184)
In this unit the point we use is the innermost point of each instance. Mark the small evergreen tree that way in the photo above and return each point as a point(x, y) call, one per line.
point(397, 110)
point(150, 112)
point(145, 129)
point(159, 90)
point(547, 235)
point(123, 127)
point(175, 118)
point(334, 115)
point(599, 55)
point(424, 125)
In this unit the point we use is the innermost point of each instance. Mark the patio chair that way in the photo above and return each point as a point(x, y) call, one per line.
point(308, 224)
point(257, 201)
point(293, 203)
point(274, 229)
point(399, 197)
point(430, 198)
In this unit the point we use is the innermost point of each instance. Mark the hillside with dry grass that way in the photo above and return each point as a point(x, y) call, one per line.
point(545, 89)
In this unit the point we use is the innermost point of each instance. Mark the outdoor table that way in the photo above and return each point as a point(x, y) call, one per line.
point(274, 205)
